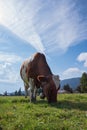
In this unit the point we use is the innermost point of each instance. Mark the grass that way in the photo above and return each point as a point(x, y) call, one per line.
point(69, 113)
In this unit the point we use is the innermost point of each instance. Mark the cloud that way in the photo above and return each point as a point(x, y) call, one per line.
point(9, 58)
point(8, 73)
point(72, 72)
point(17, 16)
point(83, 57)
point(46, 28)
point(60, 25)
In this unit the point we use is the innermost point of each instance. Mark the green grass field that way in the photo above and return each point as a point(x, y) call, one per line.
point(69, 113)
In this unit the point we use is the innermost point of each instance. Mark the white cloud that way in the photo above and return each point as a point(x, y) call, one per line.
point(8, 73)
point(83, 57)
point(46, 28)
point(17, 16)
point(61, 25)
point(9, 58)
point(72, 72)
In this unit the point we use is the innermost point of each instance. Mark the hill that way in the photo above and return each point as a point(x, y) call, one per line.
point(73, 82)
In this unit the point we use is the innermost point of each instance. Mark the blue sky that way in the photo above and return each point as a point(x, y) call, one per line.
point(56, 28)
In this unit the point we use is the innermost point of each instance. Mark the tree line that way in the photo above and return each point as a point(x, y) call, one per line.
point(16, 93)
point(82, 88)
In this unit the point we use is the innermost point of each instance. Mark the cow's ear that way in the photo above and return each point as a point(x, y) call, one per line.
point(42, 78)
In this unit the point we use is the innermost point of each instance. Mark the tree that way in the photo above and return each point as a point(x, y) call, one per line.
point(5, 93)
point(78, 88)
point(19, 92)
point(16, 93)
point(83, 82)
point(67, 88)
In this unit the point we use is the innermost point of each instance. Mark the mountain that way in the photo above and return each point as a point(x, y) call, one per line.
point(73, 82)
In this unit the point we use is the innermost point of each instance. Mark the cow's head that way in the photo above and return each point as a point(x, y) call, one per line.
point(50, 85)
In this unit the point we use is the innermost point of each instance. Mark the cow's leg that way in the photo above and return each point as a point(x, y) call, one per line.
point(35, 93)
point(26, 89)
point(32, 90)
point(26, 93)
point(31, 95)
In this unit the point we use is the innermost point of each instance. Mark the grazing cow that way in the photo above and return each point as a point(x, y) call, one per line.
point(35, 72)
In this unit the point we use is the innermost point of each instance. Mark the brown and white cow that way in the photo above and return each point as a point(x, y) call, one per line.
point(35, 72)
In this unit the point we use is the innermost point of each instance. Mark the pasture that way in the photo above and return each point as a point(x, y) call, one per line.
point(69, 113)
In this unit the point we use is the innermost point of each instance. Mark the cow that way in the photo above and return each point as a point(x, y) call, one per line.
point(36, 73)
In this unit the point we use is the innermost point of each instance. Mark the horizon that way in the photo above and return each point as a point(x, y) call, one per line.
point(61, 88)
point(56, 28)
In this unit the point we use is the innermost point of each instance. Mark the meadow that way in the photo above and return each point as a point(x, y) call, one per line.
point(69, 113)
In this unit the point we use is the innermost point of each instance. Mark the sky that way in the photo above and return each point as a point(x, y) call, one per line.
point(56, 28)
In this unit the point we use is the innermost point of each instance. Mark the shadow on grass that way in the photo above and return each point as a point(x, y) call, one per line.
point(65, 104)
point(20, 101)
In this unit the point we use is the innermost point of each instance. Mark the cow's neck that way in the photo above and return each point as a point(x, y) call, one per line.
point(40, 65)
point(43, 69)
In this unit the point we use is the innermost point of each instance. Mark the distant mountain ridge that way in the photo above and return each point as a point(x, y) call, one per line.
point(73, 82)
